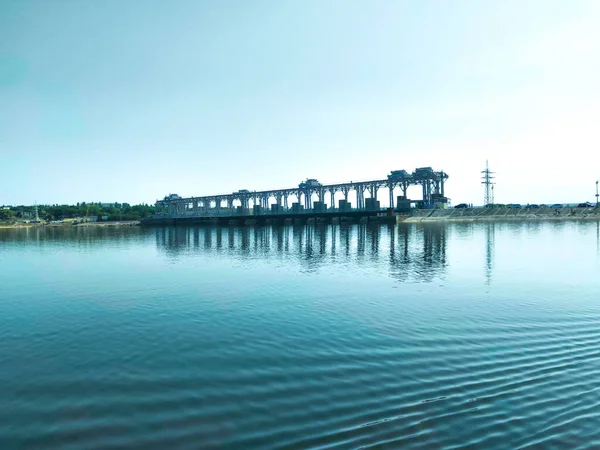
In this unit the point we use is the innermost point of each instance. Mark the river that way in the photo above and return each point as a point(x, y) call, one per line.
point(433, 336)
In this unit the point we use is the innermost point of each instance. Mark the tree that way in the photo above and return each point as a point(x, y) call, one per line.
point(95, 210)
point(6, 214)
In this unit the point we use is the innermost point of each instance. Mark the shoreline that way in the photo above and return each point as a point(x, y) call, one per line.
point(436, 216)
point(506, 215)
point(500, 219)
point(124, 223)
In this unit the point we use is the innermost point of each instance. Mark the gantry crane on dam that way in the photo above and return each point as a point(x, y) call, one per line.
point(256, 203)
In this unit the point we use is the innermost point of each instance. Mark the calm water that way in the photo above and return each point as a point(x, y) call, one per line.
point(466, 335)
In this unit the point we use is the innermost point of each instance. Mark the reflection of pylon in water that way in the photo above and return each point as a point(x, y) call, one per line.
point(489, 185)
point(489, 253)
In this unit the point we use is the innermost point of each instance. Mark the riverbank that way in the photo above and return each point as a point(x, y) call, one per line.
point(504, 214)
point(123, 223)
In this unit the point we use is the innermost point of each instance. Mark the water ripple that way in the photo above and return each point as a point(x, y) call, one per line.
point(298, 337)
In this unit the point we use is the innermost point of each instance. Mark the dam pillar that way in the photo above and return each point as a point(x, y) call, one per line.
point(345, 191)
point(360, 200)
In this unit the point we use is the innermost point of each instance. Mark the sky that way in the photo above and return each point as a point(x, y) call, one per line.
point(131, 100)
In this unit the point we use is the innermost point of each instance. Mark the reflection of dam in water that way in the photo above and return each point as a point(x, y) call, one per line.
point(406, 252)
point(412, 252)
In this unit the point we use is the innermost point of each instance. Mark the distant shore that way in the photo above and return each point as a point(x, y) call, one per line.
point(419, 216)
point(499, 219)
point(504, 215)
point(116, 223)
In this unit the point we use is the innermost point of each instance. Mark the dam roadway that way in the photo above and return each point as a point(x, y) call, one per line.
point(313, 200)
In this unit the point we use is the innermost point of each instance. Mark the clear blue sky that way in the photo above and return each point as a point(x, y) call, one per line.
point(132, 100)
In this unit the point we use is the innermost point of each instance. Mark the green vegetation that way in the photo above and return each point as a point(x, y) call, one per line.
point(7, 214)
point(111, 212)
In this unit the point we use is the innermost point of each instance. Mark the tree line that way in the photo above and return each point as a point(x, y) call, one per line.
point(103, 211)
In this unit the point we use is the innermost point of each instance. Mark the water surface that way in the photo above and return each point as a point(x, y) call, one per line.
point(409, 336)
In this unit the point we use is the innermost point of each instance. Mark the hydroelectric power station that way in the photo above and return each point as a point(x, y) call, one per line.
point(310, 199)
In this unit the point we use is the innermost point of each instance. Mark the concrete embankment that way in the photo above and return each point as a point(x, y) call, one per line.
point(503, 214)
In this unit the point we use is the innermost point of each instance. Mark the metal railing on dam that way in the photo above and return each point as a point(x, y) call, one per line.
point(311, 197)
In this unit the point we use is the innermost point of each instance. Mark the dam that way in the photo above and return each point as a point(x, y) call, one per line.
point(310, 200)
